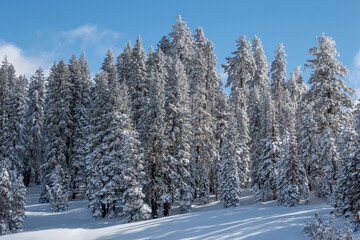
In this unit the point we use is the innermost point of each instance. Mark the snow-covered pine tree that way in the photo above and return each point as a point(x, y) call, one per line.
point(346, 199)
point(241, 69)
point(296, 87)
point(258, 84)
point(123, 64)
point(165, 45)
point(5, 201)
point(138, 85)
point(330, 96)
point(233, 167)
point(58, 190)
point(204, 84)
point(159, 168)
point(14, 125)
point(58, 127)
point(81, 81)
point(97, 132)
point(18, 205)
point(133, 173)
point(264, 135)
point(292, 181)
point(266, 172)
point(3, 90)
point(278, 88)
point(307, 143)
point(182, 44)
point(261, 78)
point(108, 150)
point(34, 128)
point(178, 121)
point(222, 118)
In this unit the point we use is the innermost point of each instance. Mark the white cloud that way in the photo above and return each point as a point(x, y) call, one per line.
point(23, 63)
point(90, 34)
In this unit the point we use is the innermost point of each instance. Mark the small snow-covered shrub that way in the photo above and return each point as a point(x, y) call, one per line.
point(320, 230)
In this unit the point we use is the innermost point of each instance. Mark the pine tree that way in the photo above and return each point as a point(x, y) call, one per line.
point(123, 64)
point(264, 134)
point(182, 44)
point(133, 175)
point(14, 125)
point(241, 69)
point(292, 182)
point(158, 164)
point(138, 86)
point(261, 78)
point(178, 117)
point(296, 87)
point(330, 95)
point(108, 151)
point(257, 86)
point(4, 90)
point(233, 167)
point(5, 201)
point(59, 194)
point(81, 81)
point(58, 127)
point(164, 45)
point(222, 118)
point(97, 133)
point(346, 196)
point(34, 128)
point(204, 82)
point(278, 88)
point(18, 205)
point(266, 173)
point(307, 143)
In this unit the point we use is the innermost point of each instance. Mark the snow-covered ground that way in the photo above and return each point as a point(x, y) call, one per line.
point(211, 221)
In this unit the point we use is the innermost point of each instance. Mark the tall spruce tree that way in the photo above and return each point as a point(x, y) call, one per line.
point(233, 167)
point(178, 121)
point(346, 198)
point(108, 150)
point(330, 95)
point(58, 127)
point(138, 86)
point(133, 174)
point(82, 85)
point(278, 88)
point(241, 69)
point(14, 125)
point(292, 181)
point(265, 145)
point(266, 173)
point(159, 167)
point(204, 84)
point(123, 64)
point(222, 118)
point(5, 201)
point(182, 44)
point(34, 128)
point(257, 86)
point(18, 205)
point(296, 87)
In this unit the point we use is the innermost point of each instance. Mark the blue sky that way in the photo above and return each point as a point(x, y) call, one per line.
point(34, 33)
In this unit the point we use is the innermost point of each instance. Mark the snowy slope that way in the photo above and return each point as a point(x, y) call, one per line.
point(212, 221)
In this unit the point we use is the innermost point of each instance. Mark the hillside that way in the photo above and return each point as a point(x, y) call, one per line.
point(211, 221)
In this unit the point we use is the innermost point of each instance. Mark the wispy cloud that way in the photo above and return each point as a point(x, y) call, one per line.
point(90, 36)
point(24, 64)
